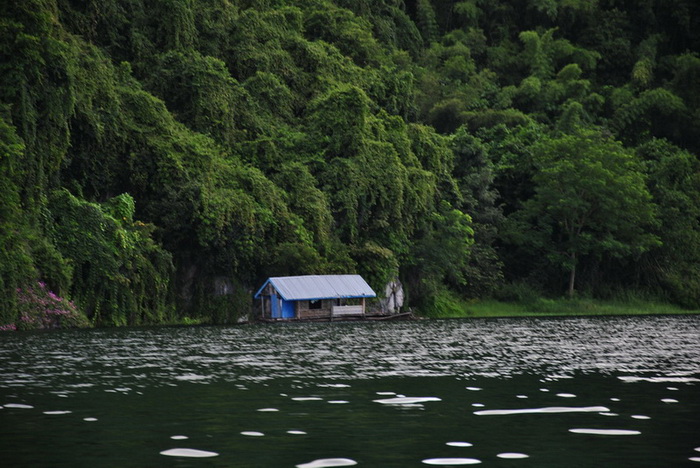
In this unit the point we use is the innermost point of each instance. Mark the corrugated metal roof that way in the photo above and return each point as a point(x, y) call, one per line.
point(295, 288)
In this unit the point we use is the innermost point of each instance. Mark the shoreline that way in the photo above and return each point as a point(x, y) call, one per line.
point(489, 308)
point(563, 308)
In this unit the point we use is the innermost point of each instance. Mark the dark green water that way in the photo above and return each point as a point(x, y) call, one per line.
point(404, 394)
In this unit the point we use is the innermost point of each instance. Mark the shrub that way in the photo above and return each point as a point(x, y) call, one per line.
point(39, 307)
point(518, 292)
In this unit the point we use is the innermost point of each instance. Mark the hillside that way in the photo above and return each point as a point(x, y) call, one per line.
point(160, 158)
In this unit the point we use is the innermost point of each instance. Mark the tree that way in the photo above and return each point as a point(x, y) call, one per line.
point(121, 275)
point(427, 23)
point(674, 181)
point(440, 255)
point(15, 255)
point(474, 172)
point(590, 199)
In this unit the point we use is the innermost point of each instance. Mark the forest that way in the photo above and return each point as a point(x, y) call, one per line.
point(159, 159)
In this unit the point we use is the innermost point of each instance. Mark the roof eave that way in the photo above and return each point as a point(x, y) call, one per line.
point(361, 296)
point(257, 294)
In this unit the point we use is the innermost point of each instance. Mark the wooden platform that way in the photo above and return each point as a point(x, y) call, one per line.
point(343, 318)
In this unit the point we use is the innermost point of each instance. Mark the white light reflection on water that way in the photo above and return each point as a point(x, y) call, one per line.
point(612, 432)
point(451, 461)
point(459, 444)
point(406, 400)
point(512, 455)
point(551, 409)
point(328, 462)
point(190, 377)
point(188, 453)
point(633, 378)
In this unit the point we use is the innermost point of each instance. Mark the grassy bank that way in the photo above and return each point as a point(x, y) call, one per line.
point(543, 307)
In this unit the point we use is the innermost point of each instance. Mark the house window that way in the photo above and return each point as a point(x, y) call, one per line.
point(315, 304)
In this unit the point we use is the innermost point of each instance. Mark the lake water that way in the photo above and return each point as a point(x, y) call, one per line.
point(574, 392)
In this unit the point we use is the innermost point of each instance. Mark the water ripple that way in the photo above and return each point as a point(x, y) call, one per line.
point(655, 349)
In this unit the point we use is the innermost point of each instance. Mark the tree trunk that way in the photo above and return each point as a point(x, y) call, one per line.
point(572, 276)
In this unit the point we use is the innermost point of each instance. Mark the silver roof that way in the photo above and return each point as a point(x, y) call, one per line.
point(295, 288)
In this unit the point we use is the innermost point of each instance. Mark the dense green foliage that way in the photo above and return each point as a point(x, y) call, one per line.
point(160, 158)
